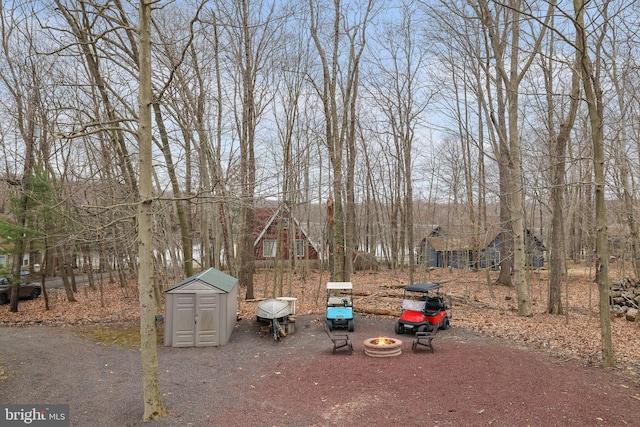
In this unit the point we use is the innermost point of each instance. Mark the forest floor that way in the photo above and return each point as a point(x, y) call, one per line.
point(476, 305)
point(492, 367)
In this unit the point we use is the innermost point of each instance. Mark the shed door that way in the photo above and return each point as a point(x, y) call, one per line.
point(207, 320)
point(184, 312)
point(196, 320)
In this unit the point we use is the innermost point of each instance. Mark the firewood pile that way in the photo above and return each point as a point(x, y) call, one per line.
point(625, 299)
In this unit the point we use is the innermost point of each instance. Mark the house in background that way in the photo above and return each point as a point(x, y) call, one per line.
point(7, 258)
point(294, 241)
point(440, 249)
point(534, 251)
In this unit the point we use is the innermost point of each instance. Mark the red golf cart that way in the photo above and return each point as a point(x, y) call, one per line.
point(421, 310)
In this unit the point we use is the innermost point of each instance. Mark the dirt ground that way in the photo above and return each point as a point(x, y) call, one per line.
point(470, 380)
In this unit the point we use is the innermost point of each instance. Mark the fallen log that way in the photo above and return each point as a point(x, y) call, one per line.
point(382, 294)
point(376, 311)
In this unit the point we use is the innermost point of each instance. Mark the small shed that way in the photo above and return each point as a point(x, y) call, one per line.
point(201, 310)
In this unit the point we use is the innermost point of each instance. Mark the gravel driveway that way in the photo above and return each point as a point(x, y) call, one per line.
point(254, 381)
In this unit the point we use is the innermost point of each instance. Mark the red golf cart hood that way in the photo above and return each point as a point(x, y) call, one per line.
point(413, 316)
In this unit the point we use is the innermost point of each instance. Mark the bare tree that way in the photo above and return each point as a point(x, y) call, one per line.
point(558, 149)
point(340, 118)
point(21, 80)
point(593, 97)
point(510, 70)
point(81, 27)
point(175, 62)
point(291, 152)
point(621, 58)
point(153, 405)
point(402, 98)
point(252, 35)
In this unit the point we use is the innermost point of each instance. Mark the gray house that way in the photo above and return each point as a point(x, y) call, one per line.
point(534, 249)
point(201, 310)
point(441, 249)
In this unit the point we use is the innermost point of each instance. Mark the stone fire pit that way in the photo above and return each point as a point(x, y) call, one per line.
point(382, 347)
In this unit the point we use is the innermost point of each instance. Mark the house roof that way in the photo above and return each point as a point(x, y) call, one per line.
point(441, 240)
point(211, 278)
point(448, 244)
point(260, 216)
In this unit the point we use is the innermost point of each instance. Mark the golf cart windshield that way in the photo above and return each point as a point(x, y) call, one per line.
point(415, 298)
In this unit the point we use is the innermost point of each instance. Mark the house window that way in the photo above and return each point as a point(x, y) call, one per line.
point(269, 248)
point(25, 260)
point(299, 248)
point(495, 259)
point(3, 260)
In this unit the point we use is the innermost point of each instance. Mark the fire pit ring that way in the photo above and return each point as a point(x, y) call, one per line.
point(382, 347)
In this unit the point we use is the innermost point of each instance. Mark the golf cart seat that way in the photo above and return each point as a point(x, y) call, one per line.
point(339, 302)
point(435, 304)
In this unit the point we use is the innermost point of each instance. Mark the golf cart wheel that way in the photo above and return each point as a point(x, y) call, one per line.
point(35, 293)
point(329, 325)
point(3, 299)
point(350, 325)
point(445, 323)
point(422, 328)
point(399, 328)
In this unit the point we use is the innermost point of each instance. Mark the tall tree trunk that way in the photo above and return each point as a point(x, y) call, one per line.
point(593, 97)
point(216, 162)
point(20, 245)
point(340, 123)
point(247, 155)
point(517, 208)
point(628, 193)
point(511, 75)
point(153, 406)
point(559, 144)
point(333, 140)
point(506, 248)
point(185, 231)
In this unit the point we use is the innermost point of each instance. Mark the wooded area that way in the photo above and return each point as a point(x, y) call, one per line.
point(369, 122)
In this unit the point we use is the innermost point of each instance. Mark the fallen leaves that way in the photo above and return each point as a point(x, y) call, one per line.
point(575, 335)
point(120, 306)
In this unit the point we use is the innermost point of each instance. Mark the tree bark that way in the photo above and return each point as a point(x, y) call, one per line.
point(153, 406)
point(247, 154)
point(593, 97)
point(559, 149)
point(510, 154)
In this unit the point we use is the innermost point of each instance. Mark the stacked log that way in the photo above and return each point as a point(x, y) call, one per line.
point(625, 299)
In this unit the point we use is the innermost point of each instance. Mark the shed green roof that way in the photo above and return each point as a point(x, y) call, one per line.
point(211, 277)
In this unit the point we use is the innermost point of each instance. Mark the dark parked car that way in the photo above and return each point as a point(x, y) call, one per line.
point(29, 290)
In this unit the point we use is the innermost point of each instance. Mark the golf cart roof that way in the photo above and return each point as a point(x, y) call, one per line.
point(422, 287)
point(339, 285)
